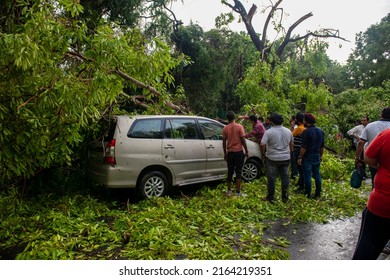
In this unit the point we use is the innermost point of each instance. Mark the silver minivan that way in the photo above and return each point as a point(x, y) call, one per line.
point(155, 153)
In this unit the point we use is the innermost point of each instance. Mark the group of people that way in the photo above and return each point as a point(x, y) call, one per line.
point(302, 146)
point(279, 146)
point(374, 143)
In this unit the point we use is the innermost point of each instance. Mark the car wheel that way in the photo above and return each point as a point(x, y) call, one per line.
point(153, 184)
point(251, 170)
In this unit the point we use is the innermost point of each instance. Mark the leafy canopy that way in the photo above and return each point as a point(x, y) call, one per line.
point(57, 78)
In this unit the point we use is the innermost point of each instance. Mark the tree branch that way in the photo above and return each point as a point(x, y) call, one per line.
point(287, 38)
point(177, 108)
point(247, 19)
point(267, 21)
point(135, 99)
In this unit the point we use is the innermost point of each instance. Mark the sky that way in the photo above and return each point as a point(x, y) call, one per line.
point(348, 16)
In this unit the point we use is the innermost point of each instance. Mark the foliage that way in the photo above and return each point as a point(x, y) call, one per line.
point(268, 89)
point(219, 58)
point(359, 103)
point(204, 225)
point(309, 61)
point(369, 64)
point(57, 79)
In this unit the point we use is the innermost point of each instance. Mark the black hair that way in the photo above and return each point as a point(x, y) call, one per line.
point(253, 118)
point(386, 113)
point(230, 116)
point(276, 119)
point(300, 117)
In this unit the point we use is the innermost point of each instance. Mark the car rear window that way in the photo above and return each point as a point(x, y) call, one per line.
point(148, 128)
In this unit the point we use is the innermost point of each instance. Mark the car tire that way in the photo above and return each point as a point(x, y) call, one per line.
point(153, 184)
point(251, 170)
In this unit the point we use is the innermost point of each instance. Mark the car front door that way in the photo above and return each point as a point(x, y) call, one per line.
point(183, 150)
point(212, 132)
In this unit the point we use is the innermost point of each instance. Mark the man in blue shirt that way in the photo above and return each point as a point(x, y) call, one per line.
point(310, 155)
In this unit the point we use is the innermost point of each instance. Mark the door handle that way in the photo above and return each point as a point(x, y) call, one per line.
point(169, 147)
point(210, 147)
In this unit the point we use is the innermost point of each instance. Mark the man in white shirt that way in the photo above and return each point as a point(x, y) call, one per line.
point(357, 131)
point(369, 133)
point(276, 146)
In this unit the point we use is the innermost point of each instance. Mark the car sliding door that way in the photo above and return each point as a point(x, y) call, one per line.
point(183, 150)
point(212, 132)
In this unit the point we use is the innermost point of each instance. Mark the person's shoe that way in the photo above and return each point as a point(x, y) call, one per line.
point(386, 250)
point(229, 193)
point(240, 194)
point(268, 199)
point(299, 190)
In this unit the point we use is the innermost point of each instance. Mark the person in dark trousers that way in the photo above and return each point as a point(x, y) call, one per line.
point(276, 146)
point(375, 227)
point(310, 155)
point(370, 131)
point(234, 145)
point(297, 134)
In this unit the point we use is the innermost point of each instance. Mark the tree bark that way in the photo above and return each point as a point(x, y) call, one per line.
point(261, 44)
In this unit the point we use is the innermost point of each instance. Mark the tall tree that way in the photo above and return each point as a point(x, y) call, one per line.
point(369, 64)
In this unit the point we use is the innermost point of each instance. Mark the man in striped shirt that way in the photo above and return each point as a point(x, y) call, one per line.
point(297, 134)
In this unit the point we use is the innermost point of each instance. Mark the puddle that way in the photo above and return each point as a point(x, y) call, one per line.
point(335, 240)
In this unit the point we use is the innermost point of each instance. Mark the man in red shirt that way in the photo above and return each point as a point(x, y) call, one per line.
point(233, 145)
point(258, 128)
point(375, 229)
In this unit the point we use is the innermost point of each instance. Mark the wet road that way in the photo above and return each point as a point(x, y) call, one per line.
point(335, 240)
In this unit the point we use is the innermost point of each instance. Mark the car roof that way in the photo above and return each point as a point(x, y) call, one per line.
point(160, 116)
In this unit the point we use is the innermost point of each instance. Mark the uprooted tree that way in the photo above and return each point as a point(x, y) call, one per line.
point(260, 41)
point(58, 77)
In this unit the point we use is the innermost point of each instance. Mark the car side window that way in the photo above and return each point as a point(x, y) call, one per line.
point(181, 129)
point(148, 128)
point(211, 130)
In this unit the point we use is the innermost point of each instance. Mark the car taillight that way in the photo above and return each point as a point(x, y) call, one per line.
point(109, 152)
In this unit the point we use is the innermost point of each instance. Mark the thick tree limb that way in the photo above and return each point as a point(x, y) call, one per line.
point(135, 99)
point(267, 21)
point(261, 44)
point(247, 19)
point(287, 38)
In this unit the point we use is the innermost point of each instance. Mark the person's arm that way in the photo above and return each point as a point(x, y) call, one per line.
point(374, 150)
point(224, 148)
point(250, 134)
point(262, 151)
point(351, 132)
point(359, 150)
point(302, 152)
point(243, 142)
point(373, 162)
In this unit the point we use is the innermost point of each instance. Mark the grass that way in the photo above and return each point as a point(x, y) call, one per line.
point(202, 224)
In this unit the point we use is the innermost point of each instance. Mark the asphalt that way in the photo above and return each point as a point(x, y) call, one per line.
point(335, 240)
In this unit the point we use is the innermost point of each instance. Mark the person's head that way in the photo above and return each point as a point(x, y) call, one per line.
point(253, 119)
point(300, 117)
point(276, 119)
point(386, 113)
point(310, 119)
point(365, 120)
point(230, 116)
